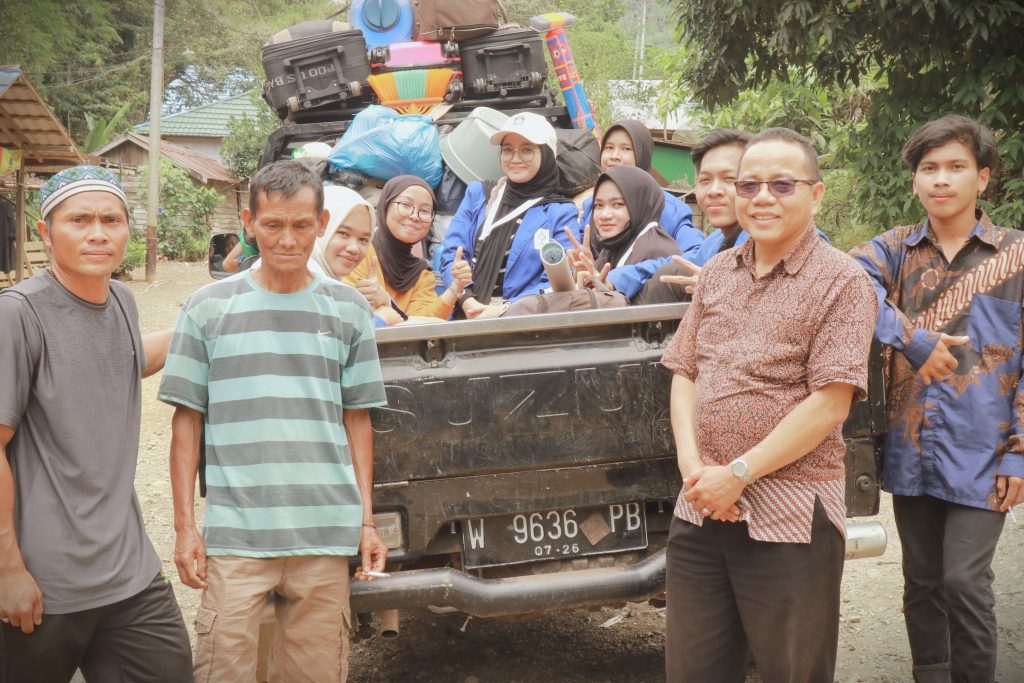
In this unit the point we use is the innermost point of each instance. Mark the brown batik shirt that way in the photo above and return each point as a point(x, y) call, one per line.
point(755, 347)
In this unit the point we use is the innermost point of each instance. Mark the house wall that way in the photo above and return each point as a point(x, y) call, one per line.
point(226, 217)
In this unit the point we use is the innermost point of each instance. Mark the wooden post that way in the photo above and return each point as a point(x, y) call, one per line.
point(156, 87)
point(20, 229)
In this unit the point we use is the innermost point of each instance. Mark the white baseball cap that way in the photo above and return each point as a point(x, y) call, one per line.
point(533, 127)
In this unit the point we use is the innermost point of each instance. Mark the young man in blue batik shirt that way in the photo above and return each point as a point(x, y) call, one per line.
point(950, 292)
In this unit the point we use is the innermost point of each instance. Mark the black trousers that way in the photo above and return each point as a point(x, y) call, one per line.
point(948, 601)
point(141, 639)
point(730, 596)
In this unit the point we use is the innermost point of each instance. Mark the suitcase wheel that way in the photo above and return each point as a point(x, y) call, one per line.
point(480, 85)
point(356, 88)
point(535, 79)
point(450, 50)
point(380, 55)
point(293, 103)
point(455, 91)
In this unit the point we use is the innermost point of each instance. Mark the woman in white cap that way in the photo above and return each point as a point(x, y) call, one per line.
point(494, 238)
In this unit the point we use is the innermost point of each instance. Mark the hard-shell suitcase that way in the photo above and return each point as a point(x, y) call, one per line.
point(418, 54)
point(509, 61)
point(313, 65)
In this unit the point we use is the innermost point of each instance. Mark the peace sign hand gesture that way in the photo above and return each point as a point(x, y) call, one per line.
point(687, 282)
point(581, 258)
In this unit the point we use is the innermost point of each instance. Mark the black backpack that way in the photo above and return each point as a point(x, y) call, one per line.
point(578, 160)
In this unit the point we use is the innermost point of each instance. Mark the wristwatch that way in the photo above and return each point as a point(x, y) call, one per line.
point(739, 469)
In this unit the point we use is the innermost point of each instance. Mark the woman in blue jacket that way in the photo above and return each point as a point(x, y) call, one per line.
point(629, 143)
point(495, 235)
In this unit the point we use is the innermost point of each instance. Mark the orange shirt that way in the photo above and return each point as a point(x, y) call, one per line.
point(420, 299)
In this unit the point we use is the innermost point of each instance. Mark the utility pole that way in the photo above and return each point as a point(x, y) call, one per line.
point(643, 37)
point(636, 53)
point(156, 89)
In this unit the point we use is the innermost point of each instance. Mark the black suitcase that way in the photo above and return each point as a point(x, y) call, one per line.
point(312, 65)
point(509, 61)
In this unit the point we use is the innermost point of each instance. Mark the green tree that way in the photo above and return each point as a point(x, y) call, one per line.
point(101, 131)
point(601, 45)
point(93, 56)
point(913, 60)
point(244, 144)
point(183, 226)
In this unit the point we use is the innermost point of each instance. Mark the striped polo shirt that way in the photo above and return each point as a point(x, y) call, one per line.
point(272, 373)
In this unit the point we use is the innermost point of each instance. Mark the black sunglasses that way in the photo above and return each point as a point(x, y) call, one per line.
point(783, 187)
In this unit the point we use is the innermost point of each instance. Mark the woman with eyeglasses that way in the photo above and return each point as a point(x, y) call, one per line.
point(395, 281)
point(630, 143)
point(493, 240)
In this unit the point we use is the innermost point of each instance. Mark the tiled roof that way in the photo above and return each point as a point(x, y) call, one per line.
point(195, 164)
point(209, 120)
point(26, 123)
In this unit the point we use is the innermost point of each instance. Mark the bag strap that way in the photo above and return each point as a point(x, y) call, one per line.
point(542, 303)
point(593, 297)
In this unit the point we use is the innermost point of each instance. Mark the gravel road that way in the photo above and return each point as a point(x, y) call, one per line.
point(571, 647)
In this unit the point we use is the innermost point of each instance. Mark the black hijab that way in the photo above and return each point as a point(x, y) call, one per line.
point(645, 202)
point(401, 268)
point(491, 255)
point(643, 141)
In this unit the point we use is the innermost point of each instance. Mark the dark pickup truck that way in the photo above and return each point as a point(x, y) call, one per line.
point(527, 464)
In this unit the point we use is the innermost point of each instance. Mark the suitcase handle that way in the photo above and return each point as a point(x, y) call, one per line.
point(310, 94)
point(505, 48)
point(298, 63)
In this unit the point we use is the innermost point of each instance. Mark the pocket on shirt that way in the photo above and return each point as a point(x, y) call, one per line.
point(993, 321)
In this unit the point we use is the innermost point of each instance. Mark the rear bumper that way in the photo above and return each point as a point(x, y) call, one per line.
point(481, 597)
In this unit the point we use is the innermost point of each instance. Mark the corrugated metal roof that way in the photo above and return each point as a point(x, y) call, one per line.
point(209, 120)
point(26, 123)
point(199, 166)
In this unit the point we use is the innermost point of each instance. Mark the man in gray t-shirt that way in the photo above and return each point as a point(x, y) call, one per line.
point(80, 582)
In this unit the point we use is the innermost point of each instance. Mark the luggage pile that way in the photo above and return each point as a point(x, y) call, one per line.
point(412, 56)
point(409, 55)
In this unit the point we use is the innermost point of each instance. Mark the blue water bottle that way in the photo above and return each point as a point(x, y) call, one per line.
point(382, 22)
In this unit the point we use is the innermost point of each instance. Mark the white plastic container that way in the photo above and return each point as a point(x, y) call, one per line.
point(468, 151)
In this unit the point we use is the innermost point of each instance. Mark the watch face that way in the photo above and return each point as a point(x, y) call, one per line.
point(739, 468)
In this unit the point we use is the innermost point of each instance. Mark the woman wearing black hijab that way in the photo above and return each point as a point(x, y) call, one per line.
point(390, 274)
point(629, 143)
point(624, 243)
point(494, 237)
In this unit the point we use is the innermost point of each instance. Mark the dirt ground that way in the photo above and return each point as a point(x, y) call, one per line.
point(573, 647)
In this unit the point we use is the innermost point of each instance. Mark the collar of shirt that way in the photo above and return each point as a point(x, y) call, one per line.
point(791, 263)
point(984, 230)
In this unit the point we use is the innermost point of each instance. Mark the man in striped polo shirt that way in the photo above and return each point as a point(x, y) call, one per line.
point(280, 367)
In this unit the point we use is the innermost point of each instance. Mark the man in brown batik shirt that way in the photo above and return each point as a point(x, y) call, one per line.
point(768, 359)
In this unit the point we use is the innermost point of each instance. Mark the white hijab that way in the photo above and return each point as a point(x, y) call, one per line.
point(339, 202)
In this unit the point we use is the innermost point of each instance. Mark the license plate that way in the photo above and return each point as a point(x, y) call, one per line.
point(553, 534)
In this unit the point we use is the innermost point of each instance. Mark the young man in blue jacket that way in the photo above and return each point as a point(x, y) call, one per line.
point(950, 292)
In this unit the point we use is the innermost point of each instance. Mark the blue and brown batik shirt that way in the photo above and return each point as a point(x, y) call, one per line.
point(950, 439)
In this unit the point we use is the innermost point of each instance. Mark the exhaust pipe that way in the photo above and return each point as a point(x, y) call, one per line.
point(451, 588)
point(865, 539)
point(447, 587)
point(388, 623)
